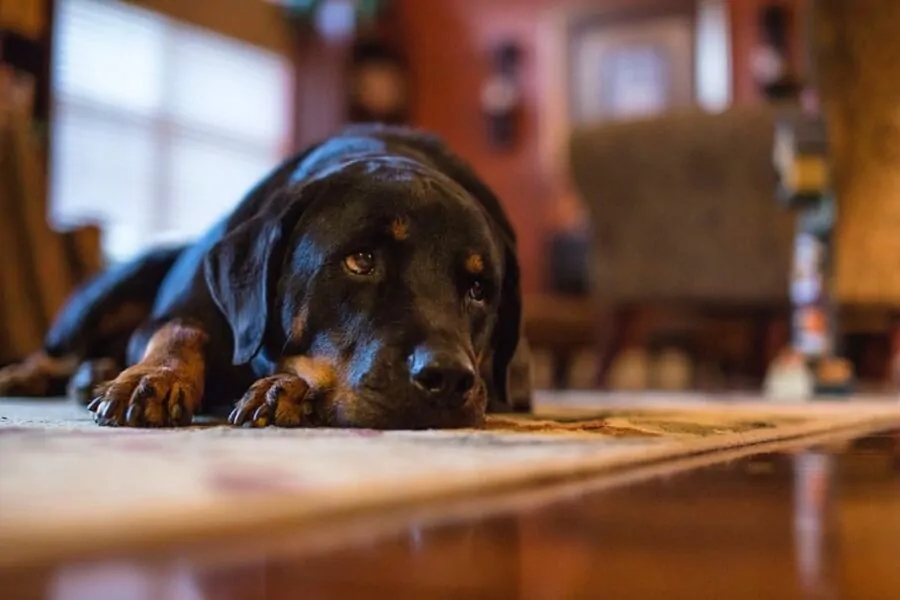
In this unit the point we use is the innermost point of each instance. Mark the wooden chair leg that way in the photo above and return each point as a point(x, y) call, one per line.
point(894, 367)
point(616, 331)
point(773, 336)
point(607, 333)
point(562, 362)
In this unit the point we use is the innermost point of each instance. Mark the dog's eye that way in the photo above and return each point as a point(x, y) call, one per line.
point(476, 292)
point(360, 263)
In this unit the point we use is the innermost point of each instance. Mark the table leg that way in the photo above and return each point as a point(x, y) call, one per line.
point(894, 367)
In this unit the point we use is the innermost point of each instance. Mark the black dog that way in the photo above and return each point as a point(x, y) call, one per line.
point(371, 281)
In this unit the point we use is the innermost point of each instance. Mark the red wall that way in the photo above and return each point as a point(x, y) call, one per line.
point(449, 44)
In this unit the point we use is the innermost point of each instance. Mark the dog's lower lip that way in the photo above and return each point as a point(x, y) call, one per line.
point(373, 396)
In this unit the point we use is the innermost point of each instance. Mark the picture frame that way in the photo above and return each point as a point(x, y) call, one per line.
point(578, 50)
point(630, 64)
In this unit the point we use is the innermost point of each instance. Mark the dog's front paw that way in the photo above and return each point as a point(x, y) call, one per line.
point(146, 396)
point(36, 376)
point(23, 380)
point(281, 400)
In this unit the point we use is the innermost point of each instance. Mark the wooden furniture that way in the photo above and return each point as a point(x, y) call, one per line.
point(855, 48)
point(561, 326)
point(40, 266)
point(684, 216)
point(855, 51)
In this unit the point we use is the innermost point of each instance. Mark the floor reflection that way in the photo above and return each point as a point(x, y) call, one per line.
point(813, 521)
point(817, 523)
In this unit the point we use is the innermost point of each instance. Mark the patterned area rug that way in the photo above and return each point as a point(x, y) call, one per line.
point(68, 487)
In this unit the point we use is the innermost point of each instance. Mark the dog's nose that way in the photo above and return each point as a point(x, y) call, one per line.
point(445, 376)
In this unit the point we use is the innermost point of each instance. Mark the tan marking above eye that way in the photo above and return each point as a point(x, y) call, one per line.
point(400, 229)
point(475, 264)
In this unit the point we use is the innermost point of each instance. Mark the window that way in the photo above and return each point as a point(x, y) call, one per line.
point(159, 127)
point(713, 55)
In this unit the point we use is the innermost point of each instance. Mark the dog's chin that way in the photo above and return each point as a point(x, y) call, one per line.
point(368, 411)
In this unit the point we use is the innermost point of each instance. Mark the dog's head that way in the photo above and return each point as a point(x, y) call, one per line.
point(384, 284)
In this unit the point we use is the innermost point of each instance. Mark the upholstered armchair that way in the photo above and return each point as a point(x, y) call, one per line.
point(684, 217)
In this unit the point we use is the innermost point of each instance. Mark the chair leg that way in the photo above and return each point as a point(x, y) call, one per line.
point(616, 331)
point(562, 362)
point(773, 336)
point(894, 367)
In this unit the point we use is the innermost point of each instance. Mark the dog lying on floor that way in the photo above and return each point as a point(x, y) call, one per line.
point(371, 281)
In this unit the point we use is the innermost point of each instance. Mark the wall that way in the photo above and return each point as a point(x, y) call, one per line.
point(255, 21)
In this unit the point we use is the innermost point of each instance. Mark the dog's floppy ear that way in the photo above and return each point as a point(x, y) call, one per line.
point(509, 318)
point(240, 268)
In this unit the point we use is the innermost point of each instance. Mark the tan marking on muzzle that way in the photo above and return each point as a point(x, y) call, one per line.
point(319, 373)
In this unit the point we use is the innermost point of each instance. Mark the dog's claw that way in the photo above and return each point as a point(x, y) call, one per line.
point(134, 415)
point(273, 393)
point(279, 400)
point(238, 416)
point(175, 413)
point(145, 396)
point(261, 416)
point(108, 408)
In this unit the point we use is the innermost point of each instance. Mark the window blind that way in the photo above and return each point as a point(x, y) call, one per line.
point(159, 127)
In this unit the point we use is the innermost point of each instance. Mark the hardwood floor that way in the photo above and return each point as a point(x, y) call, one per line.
point(808, 522)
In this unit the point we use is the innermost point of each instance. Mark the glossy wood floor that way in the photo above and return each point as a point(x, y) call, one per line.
point(808, 522)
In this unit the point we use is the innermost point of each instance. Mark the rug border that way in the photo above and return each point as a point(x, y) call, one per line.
point(25, 545)
point(369, 526)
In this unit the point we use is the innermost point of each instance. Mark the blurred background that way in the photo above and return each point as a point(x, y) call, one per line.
point(631, 141)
